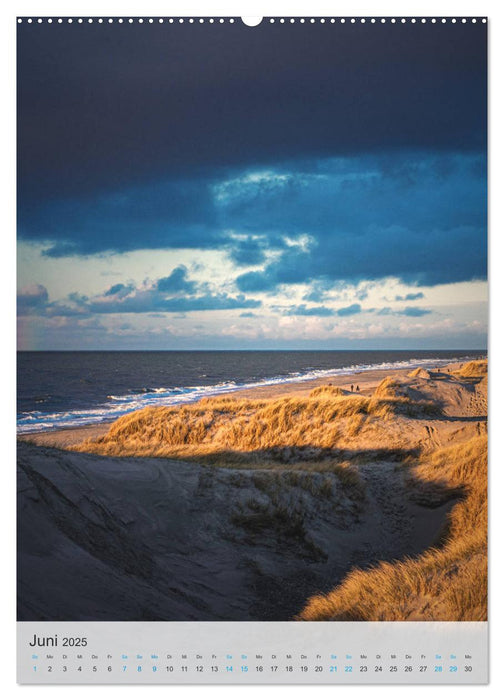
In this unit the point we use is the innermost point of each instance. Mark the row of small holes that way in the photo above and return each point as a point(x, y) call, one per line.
point(272, 20)
point(373, 20)
point(110, 21)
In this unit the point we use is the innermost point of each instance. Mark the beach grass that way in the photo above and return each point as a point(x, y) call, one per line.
point(442, 458)
point(447, 582)
point(297, 427)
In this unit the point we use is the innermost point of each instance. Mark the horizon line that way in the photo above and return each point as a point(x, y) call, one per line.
point(455, 349)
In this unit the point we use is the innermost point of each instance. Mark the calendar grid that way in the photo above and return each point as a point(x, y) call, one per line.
point(232, 652)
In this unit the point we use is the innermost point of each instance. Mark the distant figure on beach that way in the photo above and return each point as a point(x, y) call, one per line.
point(357, 388)
point(351, 387)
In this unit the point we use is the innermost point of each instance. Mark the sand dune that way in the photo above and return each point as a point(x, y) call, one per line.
point(319, 505)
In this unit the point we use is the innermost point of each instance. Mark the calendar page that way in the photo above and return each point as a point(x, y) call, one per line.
point(252, 365)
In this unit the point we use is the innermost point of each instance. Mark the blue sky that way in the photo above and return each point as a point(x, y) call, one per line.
point(245, 197)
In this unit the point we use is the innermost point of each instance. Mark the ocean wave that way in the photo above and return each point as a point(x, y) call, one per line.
point(119, 405)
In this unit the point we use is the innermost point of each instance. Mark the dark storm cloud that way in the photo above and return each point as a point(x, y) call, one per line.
point(249, 251)
point(161, 214)
point(151, 136)
point(353, 219)
point(417, 216)
point(103, 106)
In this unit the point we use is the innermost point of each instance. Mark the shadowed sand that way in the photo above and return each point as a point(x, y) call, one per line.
point(268, 504)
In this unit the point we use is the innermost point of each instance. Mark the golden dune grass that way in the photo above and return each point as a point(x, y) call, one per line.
point(327, 390)
point(217, 425)
point(305, 434)
point(475, 368)
point(390, 388)
point(448, 582)
point(420, 372)
point(394, 394)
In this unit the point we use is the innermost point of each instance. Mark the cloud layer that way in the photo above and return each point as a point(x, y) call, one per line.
point(416, 216)
point(175, 293)
point(105, 106)
point(285, 172)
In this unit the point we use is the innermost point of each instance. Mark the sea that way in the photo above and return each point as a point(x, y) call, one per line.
point(71, 389)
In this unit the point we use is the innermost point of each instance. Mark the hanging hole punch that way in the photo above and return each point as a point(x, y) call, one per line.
point(251, 21)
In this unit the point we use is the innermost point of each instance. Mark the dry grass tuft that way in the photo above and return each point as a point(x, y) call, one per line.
point(475, 368)
point(391, 397)
point(327, 390)
point(445, 583)
point(420, 372)
point(390, 388)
